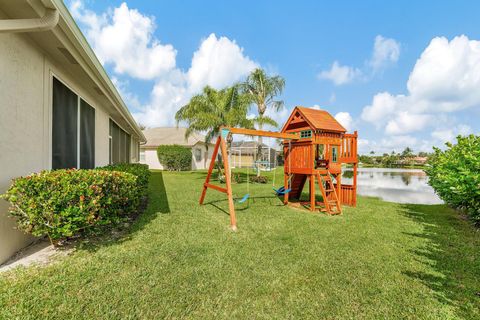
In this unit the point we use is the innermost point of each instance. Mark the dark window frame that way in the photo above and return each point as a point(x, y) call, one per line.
point(120, 144)
point(74, 130)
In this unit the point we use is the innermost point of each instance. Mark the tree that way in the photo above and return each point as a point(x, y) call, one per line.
point(407, 153)
point(262, 91)
point(212, 109)
point(455, 174)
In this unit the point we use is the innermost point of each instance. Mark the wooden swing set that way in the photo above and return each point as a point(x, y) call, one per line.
point(315, 147)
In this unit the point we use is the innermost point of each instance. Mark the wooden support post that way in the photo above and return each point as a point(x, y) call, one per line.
point(228, 182)
point(210, 169)
point(312, 192)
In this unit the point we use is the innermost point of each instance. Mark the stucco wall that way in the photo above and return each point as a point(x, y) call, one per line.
point(151, 157)
point(26, 121)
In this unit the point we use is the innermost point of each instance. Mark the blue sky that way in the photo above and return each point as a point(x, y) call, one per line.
point(402, 74)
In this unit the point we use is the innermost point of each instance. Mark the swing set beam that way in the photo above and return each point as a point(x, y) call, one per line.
point(221, 146)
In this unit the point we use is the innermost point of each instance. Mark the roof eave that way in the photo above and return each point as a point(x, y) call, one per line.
point(100, 72)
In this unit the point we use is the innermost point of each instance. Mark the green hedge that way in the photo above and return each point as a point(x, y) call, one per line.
point(65, 203)
point(141, 171)
point(175, 157)
point(455, 175)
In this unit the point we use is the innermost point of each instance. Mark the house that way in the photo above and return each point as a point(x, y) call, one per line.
point(420, 160)
point(59, 109)
point(245, 154)
point(201, 151)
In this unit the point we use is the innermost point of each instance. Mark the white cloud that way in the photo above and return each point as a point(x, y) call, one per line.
point(449, 134)
point(406, 122)
point(218, 62)
point(339, 74)
point(124, 38)
point(385, 51)
point(444, 79)
point(394, 143)
point(345, 120)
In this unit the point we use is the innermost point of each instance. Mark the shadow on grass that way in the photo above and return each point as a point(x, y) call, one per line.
point(157, 203)
point(241, 206)
point(452, 251)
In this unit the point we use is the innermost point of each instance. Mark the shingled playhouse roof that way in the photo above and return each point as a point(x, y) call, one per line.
point(317, 119)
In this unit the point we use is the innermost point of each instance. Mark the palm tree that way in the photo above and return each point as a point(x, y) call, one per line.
point(262, 90)
point(212, 109)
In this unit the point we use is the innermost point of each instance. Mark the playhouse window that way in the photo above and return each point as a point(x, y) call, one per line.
point(320, 151)
point(305, 134)
point(334, 154)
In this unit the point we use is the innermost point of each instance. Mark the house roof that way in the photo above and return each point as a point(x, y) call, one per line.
point(66, 44)
point(317, 119)
point(171, 135)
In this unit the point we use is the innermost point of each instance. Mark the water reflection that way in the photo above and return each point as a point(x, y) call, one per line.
point(396, 185)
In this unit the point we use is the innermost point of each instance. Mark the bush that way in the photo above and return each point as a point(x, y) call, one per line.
point(455, 175)
point(141, 171)
point(66, 203)
point(259, 179)
point(175, 157)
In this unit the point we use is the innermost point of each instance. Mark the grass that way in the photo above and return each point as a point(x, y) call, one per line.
point(180, 260)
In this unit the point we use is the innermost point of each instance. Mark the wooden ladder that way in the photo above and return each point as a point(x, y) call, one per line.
point(329, 194)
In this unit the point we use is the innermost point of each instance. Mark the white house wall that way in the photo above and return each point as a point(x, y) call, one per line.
point(25, 121)
point(151, 157)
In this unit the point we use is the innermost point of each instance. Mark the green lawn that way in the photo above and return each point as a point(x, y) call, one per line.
point(180, 260)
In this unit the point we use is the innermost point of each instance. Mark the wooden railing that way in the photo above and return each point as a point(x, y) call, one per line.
point(348, 196)
point(348, 152)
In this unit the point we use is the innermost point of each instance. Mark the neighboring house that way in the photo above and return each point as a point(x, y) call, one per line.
point(420, 160)
point(58, 107)
point(201, 152)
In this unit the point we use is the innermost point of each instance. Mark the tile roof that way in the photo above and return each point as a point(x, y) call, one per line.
point(171, 135)
point(321, 119)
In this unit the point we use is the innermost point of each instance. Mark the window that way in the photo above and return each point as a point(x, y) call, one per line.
point(119, 144)
point(305, 134)
point(320, 151)
point(334, 154)
point(87, 136)
point(198, 154)
point(73, 130)
point(142, 155)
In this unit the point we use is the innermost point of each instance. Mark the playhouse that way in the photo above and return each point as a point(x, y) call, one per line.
point(315, 146)
point(317, 156)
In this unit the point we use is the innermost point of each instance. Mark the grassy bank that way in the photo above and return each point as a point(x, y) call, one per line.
point(180, 260)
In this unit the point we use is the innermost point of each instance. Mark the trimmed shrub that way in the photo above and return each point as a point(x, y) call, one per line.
point(258, 179)
point(141, 171)
point(66, 203)
point(175, 157)
point(455, 175)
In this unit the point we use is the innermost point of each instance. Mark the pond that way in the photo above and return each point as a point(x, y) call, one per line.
point(395, 185)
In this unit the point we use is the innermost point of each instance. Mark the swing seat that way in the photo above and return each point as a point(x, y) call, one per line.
point(281, 191)
point(245, 197)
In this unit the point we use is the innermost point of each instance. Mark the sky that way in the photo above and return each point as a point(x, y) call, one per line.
point(404, 74)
